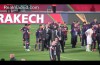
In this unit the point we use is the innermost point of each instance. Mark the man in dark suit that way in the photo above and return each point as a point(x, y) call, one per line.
point(43, 37)
point(53, 33)
point(47, 40)
point(60, 34)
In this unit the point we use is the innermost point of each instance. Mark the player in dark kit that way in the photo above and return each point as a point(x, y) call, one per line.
point(74, 34)
point(94, 38)
point(65, 31)
point(84, 28)
point(73, 24)
point(42, 36)
point(37, 39)
point(47, 40)
point(78, 29)
point(23, 29)
point(27, 37)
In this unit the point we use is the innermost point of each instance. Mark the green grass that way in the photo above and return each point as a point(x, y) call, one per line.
point(11, 42)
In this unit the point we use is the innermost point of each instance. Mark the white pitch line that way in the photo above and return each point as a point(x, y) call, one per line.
point(69, 58)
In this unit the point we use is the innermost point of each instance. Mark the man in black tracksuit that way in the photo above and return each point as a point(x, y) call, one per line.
point(47, 40)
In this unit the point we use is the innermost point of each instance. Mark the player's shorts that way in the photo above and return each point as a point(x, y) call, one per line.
point(94, 39)
point(27, 40)
point(40, 40)
point(37, 40)
point(65, 36)
point(79, 32)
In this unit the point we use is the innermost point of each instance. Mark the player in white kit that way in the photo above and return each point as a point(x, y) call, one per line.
point(89, 33)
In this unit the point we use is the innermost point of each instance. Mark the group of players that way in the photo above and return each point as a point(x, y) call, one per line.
point(46, 36)
point(53, 36)
point(89, 34)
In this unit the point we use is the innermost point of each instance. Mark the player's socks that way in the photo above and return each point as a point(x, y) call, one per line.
point(39, 46)
point(24, 45)
point(35, 46)
point(27, 46)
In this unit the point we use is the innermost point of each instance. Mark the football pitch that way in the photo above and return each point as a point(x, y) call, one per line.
point(11, 42)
